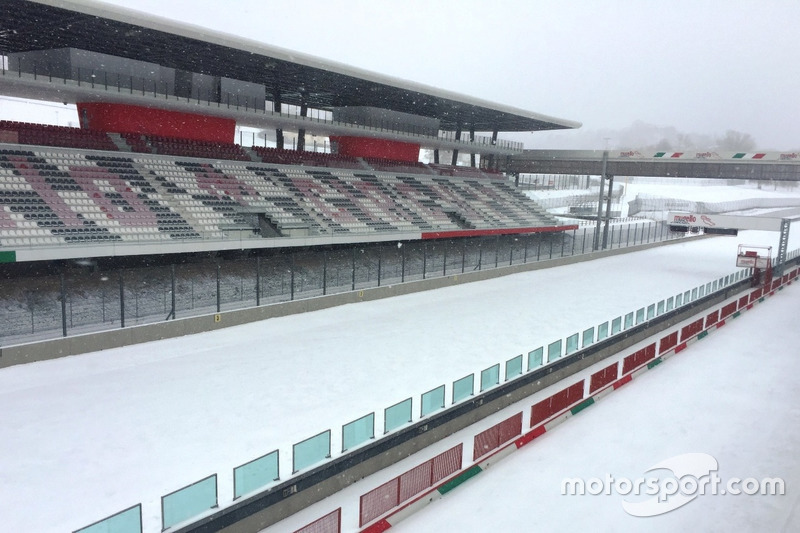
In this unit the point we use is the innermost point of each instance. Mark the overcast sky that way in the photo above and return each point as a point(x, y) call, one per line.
point(702, 66)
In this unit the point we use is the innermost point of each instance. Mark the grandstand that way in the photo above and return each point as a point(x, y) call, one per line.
point(75, 196)
point(154, 160)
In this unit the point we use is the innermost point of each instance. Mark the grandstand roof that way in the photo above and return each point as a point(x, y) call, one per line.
point(47, 24)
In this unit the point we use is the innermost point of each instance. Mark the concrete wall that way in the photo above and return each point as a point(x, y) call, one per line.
point(74, 345)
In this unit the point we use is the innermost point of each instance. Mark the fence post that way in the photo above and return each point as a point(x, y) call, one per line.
point(444, 262)
point(258, 280)
point(218, 295)
point(172, 272)
point(424, 258)
point(291, 277)
point(380, 257)
point(574, 232)
point(324, 272)
point(121, 300)
point(402, 263)
point(353, 271)
point(463, 253)
point(583, 244)
point(63, 306)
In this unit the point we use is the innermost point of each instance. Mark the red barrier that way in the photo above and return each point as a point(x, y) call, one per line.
point(690, 330)
point(330, 523)
point(379, 500)
point(602, 378)
point(556, 403)
point(670, 341)
point(446, 463)
point(415, 481)
point(712, 318)
point(728, 310)
point(491, 439)
point(386, 497)
point(743, 301)
point(638, 358)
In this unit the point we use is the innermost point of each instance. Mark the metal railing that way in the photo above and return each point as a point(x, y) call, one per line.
point(81, 300)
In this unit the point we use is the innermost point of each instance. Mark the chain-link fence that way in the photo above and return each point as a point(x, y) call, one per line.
point(84, 299)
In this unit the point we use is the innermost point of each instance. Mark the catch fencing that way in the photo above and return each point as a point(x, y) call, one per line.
point(82, 299)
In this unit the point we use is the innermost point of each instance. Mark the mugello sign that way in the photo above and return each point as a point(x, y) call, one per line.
point(724, 221)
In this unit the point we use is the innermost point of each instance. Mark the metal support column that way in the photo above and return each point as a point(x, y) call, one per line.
point(472, 140)
point(608, 210)
point(600, 202)
point(783, 244)
point(277, 108)
point(455, 150)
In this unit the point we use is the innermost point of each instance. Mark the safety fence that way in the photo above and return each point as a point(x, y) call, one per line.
point(644, 203)
point(84, 300)
point(200, 498)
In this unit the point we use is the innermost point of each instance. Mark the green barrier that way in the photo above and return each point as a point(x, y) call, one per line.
point(311, 451)
point(255, 474)
point(127, 521)
point(358, 431)
point(188, 502)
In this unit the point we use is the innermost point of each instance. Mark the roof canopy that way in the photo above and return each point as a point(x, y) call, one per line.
point(47, 24)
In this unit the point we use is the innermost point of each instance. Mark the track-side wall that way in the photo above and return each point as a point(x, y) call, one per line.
point(653, 341)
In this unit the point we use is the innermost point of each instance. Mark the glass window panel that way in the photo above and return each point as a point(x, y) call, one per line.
point(602, 331)
point(358, 431)
point(463, 388)
point(553, 351)
point(490, 377)
point(588, 337)
point(708, 288)
point(536, 358)
point(629, 320)
point(255, 474)
point(660, 308)
point(572, 343)
point(702, 291)
point(670, 303)
point(640, 315)
point(714, 286)
point(397, 415)
point(651, 311)
point(127, 521)
point(694, 294)
point(514, 367)
point(189, 501)
point(679, 300)
point(616, 325)
point(432, 400)
point(311, 451)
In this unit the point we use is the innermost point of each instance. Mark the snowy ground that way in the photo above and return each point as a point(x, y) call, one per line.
point(86, 436)
point(732, 396)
